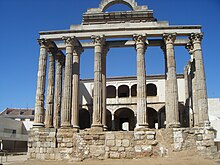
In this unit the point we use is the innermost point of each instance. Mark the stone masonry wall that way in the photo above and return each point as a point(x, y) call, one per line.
point(67, 144)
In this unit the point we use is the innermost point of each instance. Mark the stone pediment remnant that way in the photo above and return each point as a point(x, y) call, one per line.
point(99, 16)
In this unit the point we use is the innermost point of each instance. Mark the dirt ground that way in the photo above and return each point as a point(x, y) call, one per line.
point(174, 160)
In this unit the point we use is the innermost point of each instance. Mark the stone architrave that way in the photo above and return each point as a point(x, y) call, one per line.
point(41, 80)
point(97, 97)
point(189, 47)
point(67, 89)
point(58, 90)
point(171, 91)
point(202, 101)
point(50, 92)
point(140, 41)
point(75, 91)
point(104, 54)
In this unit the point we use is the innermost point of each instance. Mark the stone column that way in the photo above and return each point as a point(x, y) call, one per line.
point(75, 91)
point(140, 41)
point(187, 96)
point(189, 47)
point(67, 89)
point(171, 91)
point(104, 54)
point(200, 79)
point(58, 90)
point(41, 79)
point(97, 98)
point(50, 92)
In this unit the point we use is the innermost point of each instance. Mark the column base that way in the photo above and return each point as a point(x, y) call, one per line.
point(173, 125)
point(141, 127)
point(38, 125)
point(76, 128)
point(96, 128)
point(65, 126)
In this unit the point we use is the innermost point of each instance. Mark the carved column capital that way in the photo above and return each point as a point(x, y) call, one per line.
point(196, 37)
point(98, 40)
point(42, 42)
point(69, 41)
point(169, 38)
point(140, 39)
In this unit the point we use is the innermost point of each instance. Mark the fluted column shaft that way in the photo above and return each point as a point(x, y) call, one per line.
point(75, 91)
point(58, 91)
point(140, 41)
point(189, 46)
point(67, 89)
point(50, 92)
point(171, 93)
point(202, 101)
point(104, 54)
point(41, 79)
point(97, 98)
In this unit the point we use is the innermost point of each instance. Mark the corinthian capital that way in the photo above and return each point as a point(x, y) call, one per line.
point(98, 40)
point(70, 40)
point(42, 42)
point(169, 38)
point(196, 37)
point(139, 39)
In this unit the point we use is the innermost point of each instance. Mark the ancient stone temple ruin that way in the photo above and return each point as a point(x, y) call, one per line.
point(89, 119)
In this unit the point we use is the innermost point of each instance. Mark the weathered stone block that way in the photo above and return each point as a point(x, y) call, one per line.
point(150, 137)
point(119, 136)
point(120, 149)
point(137, 148)
point(146, 148)
point(110, 143)
point(109, 136)
point(114, 155)
point(118, 143)
point(125, 142)
point(114, 148)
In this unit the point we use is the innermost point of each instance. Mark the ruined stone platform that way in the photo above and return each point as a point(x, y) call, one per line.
point(66, 144)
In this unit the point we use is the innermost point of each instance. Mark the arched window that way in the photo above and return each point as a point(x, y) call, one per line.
point(111, 91)
point(151, 90)
point(123, 91)
point(134, 90)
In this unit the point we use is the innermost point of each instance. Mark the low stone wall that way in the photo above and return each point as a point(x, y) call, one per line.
point(61, 144)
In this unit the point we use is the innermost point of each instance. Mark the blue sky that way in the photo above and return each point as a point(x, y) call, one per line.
point(21, 20)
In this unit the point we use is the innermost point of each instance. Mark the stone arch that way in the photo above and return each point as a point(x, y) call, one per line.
point(124, 115)
point(151, 89)
point(123, 91)
point(134, 90)
point(105, 4)
point(152, 117)
point(111, 91)
point(162, 118)
point(84, 119)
